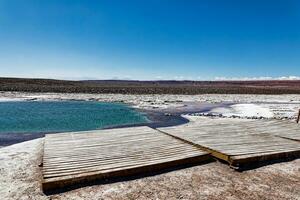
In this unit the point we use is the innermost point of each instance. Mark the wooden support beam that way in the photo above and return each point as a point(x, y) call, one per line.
point(298, 119)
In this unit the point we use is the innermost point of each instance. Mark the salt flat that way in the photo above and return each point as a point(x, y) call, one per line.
point(158, 101)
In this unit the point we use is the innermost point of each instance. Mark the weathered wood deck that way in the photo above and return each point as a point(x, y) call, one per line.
point(240, 141)
point(82, 157)
point(284, 129)
point(73, 158)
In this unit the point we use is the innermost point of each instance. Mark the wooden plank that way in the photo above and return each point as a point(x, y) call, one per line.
point(240, 141)
point(73, 158)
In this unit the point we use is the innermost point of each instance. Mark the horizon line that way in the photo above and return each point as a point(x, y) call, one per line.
point(216, 79)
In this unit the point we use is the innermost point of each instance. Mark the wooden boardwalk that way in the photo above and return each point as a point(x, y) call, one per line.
point(75, 158)
point(284, 129)
point(239, 141)
point(83, 157)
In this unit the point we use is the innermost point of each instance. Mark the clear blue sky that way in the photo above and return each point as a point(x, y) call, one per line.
point(155, 39)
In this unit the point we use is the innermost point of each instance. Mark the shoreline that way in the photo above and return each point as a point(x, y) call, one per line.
point(163, 110)
point(158, 118)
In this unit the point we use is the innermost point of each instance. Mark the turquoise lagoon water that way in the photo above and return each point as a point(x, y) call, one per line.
point(60, 116)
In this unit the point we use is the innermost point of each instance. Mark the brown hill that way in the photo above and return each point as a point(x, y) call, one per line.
point(150, 87)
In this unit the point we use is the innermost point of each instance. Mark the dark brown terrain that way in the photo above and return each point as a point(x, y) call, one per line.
point(150, 87)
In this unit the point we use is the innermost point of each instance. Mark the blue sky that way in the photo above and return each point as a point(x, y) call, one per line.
point(155, 39)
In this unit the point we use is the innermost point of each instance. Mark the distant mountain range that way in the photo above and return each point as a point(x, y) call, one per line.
point(151, 87)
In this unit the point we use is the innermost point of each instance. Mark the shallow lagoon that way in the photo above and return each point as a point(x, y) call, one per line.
point(63, 116)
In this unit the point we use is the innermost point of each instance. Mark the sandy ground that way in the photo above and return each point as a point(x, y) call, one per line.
point(20, 179)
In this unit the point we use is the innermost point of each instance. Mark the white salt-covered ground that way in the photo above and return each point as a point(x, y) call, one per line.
point(256, 111)
point(20, 176)
point(156, 99)
point(244, 110)
point(276, 106)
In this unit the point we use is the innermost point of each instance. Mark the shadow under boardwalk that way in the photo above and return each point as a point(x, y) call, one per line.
point(85, 157)
point(241, 142)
